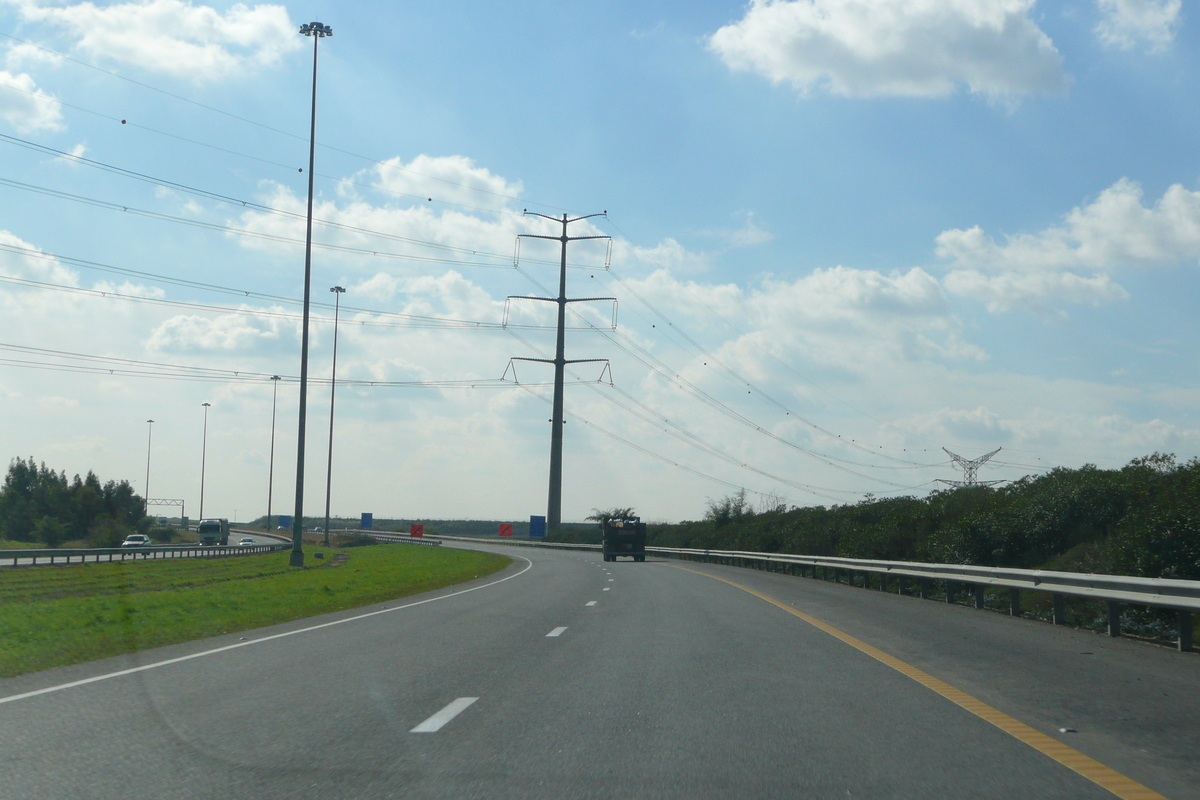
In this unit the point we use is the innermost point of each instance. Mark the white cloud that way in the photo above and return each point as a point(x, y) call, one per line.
point(1034, 290)
point(175, 37)
point(452, 179)
point(26, 107)
point(190, 332)
point(917, 48)
point(1114, 230)
point(29, 266)
point(1128, 23)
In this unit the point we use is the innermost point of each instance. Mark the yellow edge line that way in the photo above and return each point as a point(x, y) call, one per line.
point(1105, 777)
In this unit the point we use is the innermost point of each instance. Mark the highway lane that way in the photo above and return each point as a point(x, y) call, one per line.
point(657, 682)
point(234, 539)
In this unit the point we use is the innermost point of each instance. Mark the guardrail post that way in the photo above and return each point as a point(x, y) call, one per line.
point(1058, 615)
point(901, 585)
point(950, 592)
point(883, 581)
point(1114, 618)
point(1185, 631)
point(979, 595)
point(1014, 602)
point(923, 583)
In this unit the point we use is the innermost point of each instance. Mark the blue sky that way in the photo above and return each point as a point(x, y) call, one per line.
point(900, 225)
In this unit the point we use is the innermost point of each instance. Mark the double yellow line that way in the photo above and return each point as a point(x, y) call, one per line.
point(1105, 777)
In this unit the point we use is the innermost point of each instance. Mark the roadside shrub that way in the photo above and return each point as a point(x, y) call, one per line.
point(161, 533)
point(107, 532)
point(355, 540)
point(50, 531)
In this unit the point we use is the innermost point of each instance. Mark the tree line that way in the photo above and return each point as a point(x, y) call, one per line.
point(1142, 519)
point(38, 504)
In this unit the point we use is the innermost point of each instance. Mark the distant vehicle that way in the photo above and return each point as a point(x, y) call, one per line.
point(136, 540)
point(162, 521)
point(624, 537)
point(213, 531)
point(246, 542)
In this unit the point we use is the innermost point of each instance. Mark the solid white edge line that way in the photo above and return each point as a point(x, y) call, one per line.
point(439, 720)
point(214, 651)
point(556, 632)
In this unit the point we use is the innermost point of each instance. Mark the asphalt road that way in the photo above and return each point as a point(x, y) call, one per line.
point(574, 678)
point(235, 538)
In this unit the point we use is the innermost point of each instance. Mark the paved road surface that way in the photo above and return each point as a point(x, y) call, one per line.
point(576, 678)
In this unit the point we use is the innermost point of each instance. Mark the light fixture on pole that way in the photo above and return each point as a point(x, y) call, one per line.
point(338, 291)
point(271, 469)
point(203, 457)
point(149, 437)
point(318, 32)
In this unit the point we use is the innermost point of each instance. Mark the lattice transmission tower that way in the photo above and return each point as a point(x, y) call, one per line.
point(970, 470)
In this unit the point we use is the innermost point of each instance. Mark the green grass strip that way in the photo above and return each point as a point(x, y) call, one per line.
point(56, 615)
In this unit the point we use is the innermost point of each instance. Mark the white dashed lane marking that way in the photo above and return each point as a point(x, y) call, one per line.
point(438, 720)
point(606, 588)
point(556, 632)
point(590, 603)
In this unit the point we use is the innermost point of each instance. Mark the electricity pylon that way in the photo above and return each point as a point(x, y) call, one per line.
point(554, 500)
point(970, 470)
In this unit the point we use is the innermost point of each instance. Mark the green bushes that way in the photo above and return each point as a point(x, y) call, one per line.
point(1142, 519)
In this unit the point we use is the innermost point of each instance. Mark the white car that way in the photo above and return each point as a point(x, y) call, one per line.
point(246, 542)
point(136, 540)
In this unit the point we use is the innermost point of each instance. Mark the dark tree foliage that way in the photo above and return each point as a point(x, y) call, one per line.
point(1142, 519)
point(39, 504)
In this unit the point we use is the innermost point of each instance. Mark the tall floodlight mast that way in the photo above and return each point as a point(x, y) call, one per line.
point(318, 32)
point(970, 470)
point(554, 499)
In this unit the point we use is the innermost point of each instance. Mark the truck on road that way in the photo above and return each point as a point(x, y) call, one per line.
point(624, 537)
point(213, 531)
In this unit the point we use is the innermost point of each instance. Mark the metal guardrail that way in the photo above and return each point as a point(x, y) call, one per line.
point(395, 538)
point(43, 557)
point(1182, 596)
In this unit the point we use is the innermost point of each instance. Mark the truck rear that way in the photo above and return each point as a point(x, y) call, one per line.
point(624, 537)
point(213, 531)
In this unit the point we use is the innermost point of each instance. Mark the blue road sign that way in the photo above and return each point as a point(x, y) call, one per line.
point(537, 526)
point(367, 519)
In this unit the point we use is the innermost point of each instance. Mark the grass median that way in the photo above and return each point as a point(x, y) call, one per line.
point(56, 615)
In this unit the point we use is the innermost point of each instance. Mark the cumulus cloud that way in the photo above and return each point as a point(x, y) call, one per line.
point(26, 107)
point(453, 179)
point(914, 48)
point(225, 332)
point(1116, 230)
point(174, 37)
point(1128, 23)
point(20, 259)
point(1036, 290)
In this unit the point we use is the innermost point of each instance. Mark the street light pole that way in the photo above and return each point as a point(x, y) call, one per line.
point(318, 32)
point(338, 291)
point(149, 437)
point(271, 469)
point(203, 457)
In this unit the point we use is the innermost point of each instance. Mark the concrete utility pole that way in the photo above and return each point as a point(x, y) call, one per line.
point(318, 32)
point(337, 305)
point(203, 456)
point(554, 501)
point(271, 469)
point(970, 470)
point(149, 438)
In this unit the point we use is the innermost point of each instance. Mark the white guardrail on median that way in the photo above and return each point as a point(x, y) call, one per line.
point(1116, 590)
